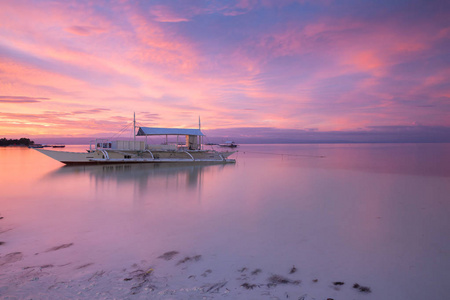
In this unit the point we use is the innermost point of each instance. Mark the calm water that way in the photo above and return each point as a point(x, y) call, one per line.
point(376, 215)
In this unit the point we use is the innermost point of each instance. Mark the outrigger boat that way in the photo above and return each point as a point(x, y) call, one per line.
point(103, 151)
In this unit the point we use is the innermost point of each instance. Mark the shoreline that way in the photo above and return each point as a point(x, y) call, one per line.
point(172, 275)
point(50, 274)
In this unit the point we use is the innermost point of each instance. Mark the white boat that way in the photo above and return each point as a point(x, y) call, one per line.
point(103, 151)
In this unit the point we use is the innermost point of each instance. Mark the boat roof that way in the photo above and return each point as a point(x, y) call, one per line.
point(168, 131)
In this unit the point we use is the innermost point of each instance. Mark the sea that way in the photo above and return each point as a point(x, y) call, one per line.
point(297, 221)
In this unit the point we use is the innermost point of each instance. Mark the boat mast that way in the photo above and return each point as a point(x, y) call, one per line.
point(134, 130)
point(199, 137)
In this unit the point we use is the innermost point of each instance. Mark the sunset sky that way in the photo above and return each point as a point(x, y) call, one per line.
point(250, 69)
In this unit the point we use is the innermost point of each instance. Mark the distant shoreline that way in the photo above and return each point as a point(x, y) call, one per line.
point(22, 142)
point(297, 143)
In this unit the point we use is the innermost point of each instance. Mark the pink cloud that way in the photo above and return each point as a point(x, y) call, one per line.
point(84, 30)
point(91, 111)
point(331, 71)
point(52, 123)
point(21, 99)
point(164, 13)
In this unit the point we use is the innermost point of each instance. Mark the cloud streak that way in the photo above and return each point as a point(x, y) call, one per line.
point(373, 134)
point(21, 99)
point(84, 30)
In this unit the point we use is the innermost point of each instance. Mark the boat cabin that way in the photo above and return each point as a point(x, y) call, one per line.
point(186, 139)
point(193, 137)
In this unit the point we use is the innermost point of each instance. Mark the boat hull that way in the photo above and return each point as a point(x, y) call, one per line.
point(99, 157)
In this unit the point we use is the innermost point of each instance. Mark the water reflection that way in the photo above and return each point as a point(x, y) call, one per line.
point(144, 177)
point(356, 215)
point(408, 159)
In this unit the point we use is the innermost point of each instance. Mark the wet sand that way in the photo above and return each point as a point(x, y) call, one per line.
point(51, 274)
point(171, 275)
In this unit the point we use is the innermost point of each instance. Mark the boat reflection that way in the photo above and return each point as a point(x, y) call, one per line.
point(144, 177)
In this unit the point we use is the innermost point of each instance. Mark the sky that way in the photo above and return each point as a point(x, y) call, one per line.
point(281, 70)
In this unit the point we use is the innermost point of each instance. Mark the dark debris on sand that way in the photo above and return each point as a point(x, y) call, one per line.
point(96, 275)
point(188, 259)
point(205, 274)
point(249, 286)
point(293, 270)
point(40, 267)
point(214, 288)
point(256, 271)
point(11, 258)
point(362, 289)
point(274, 280)
point(59, 247)
point(143, 280)
point(168, 255)
point(84, 266)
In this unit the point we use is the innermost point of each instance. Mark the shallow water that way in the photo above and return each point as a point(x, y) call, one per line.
point(376, 215)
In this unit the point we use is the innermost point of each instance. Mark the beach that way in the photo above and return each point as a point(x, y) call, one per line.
point(365, 221)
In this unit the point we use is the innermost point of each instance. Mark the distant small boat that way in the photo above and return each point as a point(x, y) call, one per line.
point(58, 146)
point(36, 146)
point(229, 144)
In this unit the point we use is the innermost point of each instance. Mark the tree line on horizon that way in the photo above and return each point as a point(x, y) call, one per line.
point(16, 142)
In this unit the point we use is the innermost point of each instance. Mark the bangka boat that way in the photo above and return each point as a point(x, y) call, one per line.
point(102, 151)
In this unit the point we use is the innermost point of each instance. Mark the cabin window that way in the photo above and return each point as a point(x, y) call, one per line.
point(127, 156)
